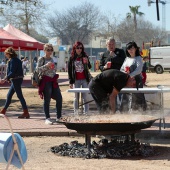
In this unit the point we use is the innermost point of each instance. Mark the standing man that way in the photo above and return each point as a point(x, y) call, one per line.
point(114, 55)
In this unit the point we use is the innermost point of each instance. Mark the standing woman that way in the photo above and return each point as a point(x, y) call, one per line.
point(133, 65)
point(15, 77)
point(78, 73)
point(49, 87)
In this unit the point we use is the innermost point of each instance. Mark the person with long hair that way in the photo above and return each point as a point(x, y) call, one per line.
point(133, 65)
point(78, 73)
point(49, 87)
point(15, 78)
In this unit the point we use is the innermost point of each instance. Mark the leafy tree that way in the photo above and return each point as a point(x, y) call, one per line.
point(134, 12)
point(76, 23)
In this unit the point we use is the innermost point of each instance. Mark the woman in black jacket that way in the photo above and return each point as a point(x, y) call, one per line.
point(78, 73)
point(15, 77)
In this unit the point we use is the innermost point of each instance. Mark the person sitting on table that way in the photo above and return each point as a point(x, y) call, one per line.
point(105, 87)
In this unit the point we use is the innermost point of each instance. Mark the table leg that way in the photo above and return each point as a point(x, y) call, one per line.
point(132, 138)
point(78, 101)
point(162, 119)
point(160, 122)
point(88, 141)
point(81, 103)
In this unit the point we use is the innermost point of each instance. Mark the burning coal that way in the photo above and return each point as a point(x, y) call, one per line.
point(115, 148)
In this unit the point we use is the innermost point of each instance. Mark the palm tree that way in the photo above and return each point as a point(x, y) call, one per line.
point(134, 11)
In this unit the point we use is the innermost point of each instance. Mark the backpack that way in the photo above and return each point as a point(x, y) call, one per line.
point(37, 77)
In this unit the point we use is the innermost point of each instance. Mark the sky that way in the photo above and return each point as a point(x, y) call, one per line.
point(119, 8)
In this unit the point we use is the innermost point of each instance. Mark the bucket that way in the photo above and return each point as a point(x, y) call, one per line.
point(7, 146)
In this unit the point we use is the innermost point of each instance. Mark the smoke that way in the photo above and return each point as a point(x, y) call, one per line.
point(113, 118)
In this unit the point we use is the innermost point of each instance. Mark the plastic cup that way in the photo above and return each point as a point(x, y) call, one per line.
point(52, 66)
point(127, 69)
point(109, 64)
point(84, 60)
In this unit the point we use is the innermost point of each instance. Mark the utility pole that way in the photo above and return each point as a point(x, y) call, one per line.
point(163, 11)
point(163, 15)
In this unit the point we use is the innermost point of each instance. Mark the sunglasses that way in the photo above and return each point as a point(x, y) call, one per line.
point(79, 48)
point(49, 50)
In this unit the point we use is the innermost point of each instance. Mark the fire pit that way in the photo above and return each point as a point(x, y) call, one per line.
point(118, 147)
point(121, 124)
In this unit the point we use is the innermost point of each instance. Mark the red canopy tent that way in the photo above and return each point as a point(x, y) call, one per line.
point(26, 41)
point(7, 40)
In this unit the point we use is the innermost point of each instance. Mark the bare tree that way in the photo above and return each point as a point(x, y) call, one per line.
point(125, 31)
point(146, 32)
point(109, 24)
point(76, 23)
point(24, 14)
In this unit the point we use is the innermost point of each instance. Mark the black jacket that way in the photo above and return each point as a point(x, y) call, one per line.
point(71, 69)
point(116, 61)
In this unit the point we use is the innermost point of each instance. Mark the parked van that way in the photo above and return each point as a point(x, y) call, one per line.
point(159, 59)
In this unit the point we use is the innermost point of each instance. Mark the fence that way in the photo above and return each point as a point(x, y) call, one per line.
point(3, 70)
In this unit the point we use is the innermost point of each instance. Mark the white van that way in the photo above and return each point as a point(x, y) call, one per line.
point(159, 59)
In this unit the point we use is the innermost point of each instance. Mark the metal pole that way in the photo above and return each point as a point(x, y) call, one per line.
point(157, 9)
point(91, 49)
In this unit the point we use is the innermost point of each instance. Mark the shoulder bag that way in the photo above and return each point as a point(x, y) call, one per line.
point(37, 77)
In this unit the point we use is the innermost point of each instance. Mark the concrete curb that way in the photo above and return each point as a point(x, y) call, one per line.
point(57, 134)
point(146, 134)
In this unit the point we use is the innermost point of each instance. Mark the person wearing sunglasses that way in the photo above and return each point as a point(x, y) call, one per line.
point(78, 73)
point(49, 87)
point(133, 65)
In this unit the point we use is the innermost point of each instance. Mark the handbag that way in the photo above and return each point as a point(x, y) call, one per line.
point(37, 77)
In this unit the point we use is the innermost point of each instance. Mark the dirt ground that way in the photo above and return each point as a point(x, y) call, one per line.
point(40, 158)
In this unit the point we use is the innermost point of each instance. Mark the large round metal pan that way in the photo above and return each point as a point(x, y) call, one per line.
point(120, 127)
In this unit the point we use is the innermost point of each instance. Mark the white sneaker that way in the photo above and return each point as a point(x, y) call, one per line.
point(48, 121)
point(85, 113)
point(58, 119)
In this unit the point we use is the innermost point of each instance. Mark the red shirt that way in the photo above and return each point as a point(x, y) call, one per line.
point(79, 69)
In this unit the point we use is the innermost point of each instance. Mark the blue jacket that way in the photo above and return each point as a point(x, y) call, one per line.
point(14, 68)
